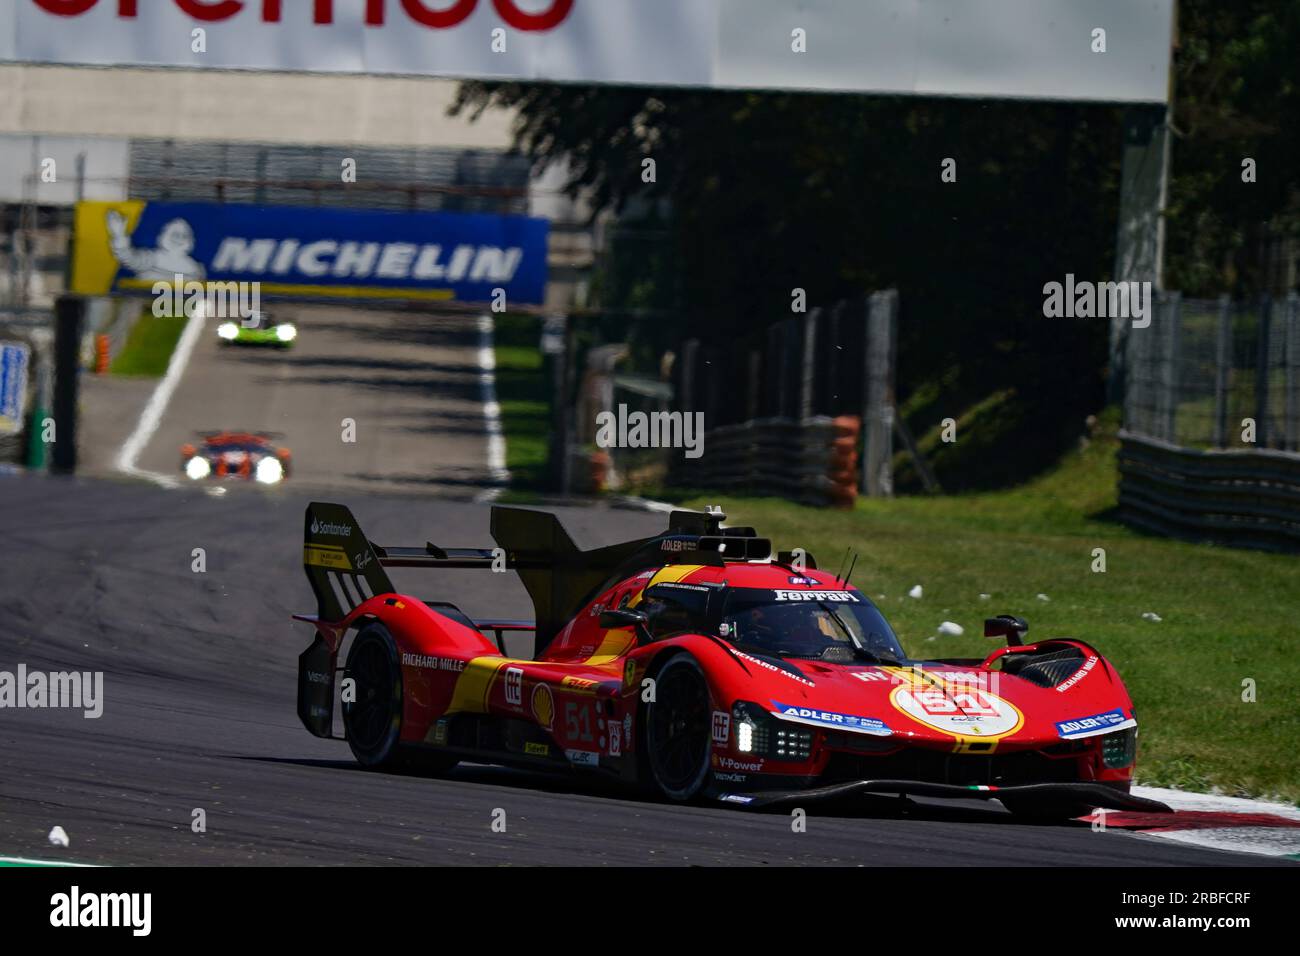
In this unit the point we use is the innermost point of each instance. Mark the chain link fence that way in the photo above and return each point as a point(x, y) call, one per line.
point(1216, 374)
point(430, 179)
point(1210, 449)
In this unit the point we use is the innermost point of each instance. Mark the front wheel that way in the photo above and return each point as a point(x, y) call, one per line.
point(677, 735)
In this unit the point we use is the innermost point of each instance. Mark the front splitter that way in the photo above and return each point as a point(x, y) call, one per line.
point(1091, 794)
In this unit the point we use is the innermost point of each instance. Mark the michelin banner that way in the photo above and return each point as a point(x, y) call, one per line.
point(310, 252)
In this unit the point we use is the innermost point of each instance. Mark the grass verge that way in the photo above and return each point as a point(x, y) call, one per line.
point(1228, 617)
point(149, 345)
point(523, 394)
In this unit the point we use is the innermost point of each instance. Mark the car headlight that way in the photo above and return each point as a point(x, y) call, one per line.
point(757, 732)
point(197, 468)
point(269, 471)
point(1120, 748)
point(228, 331)
point(745, 737)
point(286, 333)
point(749, 724)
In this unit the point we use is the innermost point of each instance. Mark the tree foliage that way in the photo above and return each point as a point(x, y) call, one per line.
point(842, 194)
point(1236, 96)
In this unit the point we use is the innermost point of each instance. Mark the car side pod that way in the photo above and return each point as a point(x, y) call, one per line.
point(1091, 794)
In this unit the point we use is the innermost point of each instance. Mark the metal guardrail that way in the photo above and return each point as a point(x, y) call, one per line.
point(830, 361)
point(812, 460)
point(1241, 498)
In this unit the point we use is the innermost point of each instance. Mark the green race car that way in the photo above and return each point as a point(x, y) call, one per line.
point(258, 328)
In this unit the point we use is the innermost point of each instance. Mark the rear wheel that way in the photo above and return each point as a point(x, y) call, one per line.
point(677, 732)
point(372, 721)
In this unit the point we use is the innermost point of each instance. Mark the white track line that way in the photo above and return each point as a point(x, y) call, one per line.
point(24, 861)
point(496, 443)
point(152, 415)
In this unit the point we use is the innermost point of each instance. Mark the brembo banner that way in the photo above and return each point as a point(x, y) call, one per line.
point(1111, 50)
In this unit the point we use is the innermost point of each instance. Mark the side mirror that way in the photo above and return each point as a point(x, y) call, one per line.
point(1009, 626)
point(624, 617)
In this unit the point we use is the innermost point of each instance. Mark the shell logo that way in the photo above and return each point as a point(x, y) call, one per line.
point(543, 705)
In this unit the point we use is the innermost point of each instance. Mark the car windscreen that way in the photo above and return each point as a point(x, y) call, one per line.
point(813, 625)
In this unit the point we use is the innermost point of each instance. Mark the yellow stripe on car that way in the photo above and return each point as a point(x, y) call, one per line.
point(470, 694)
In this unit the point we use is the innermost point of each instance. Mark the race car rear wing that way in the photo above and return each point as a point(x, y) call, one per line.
point(345, 568)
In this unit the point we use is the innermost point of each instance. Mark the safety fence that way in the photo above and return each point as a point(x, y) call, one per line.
point(1216, 374)
point(811, 460)
point(1243, 498)
point(801, 408)
point(834, 363)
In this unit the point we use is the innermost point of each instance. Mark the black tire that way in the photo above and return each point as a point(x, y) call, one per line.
point(373, 721)
point(1039, 810)
point(678, 738)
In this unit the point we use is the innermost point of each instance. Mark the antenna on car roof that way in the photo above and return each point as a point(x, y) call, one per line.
point(841, 564)
point(852, 564)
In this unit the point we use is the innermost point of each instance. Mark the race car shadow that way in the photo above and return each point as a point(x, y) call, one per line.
point(557, 782)
point(879, 806)
point(859, 807)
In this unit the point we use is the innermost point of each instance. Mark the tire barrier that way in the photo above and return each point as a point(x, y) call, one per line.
point(1245, 499)
point(813, 460)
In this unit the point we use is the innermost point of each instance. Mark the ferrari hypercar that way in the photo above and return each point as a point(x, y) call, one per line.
point(244, 455)
point(696, 664)
point(258, 329)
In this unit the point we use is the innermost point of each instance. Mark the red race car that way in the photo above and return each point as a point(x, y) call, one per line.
point(252, 456)
point(698, 663)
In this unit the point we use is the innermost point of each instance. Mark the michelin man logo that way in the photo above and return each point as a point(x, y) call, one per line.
point(171, 258)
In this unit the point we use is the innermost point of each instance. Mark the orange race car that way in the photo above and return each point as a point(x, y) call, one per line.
point(230, 454)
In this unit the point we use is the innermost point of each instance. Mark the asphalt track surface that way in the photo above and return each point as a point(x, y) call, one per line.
point(199, 714)
point(409, 380)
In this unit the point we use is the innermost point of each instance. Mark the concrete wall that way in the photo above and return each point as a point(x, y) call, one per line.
point(248, 107)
